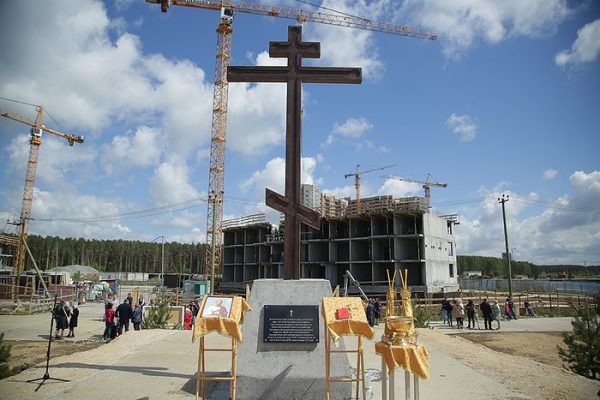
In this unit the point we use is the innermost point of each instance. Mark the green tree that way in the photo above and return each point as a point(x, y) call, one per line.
point(158, 316)
point(583, 345)
point(5, 370)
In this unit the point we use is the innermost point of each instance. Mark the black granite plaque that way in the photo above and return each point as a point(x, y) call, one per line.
point(291, 324)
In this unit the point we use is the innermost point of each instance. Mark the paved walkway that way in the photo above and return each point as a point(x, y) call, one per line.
point(161, 364)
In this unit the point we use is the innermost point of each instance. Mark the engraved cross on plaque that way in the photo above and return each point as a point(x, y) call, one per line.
point(294, 75)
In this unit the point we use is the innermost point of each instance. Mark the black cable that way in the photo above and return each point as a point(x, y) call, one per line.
point(17, 101)
point(331, 9)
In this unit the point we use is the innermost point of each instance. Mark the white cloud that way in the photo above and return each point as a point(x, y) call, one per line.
point(170, 183)
point(344, 47)
point(353, 127)
point(55, 206)
point(463, 125)
point(459, 24)
point(346, 191)
point(256, 113)
point(564, 230)
point(62, 164)
point(100, 80)
point(585, 48)
point(141, 149)
point(273, 176)
point(397, 188)
point(549, 174)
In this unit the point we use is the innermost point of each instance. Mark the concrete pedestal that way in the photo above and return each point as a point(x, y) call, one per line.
point(286, 371)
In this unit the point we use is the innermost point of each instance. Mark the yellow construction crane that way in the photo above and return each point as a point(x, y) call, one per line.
point(37, 127)
point(356, 174)
point(427, 185)
point(214, 215)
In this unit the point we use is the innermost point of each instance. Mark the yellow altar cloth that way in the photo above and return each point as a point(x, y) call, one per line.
point(354, 326)
point(413, 358)
point(229, 326)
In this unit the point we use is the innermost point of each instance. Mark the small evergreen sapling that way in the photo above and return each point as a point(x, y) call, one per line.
point(5, 370)
point(158, 316)
point(582, 354)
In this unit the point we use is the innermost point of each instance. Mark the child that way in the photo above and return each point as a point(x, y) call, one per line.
point(73, 321)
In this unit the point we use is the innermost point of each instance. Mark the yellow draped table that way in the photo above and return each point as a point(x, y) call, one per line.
point(355, 325)
point(221, 314)
point(412, 358)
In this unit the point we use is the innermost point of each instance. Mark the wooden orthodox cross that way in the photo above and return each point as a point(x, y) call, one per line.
point(294, 74)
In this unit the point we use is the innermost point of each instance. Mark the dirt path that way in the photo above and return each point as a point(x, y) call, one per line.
point(27, 353)
point(537, 346)
point(503, 357)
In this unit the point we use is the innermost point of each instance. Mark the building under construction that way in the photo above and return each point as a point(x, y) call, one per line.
point(386, 233)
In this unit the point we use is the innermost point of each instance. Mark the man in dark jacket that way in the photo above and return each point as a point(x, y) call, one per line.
point(124, 313)
point(486, 310)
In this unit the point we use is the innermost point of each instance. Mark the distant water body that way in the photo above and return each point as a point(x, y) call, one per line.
point(538, 285)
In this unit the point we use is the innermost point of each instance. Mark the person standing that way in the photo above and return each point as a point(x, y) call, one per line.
point(124, 313)
point(109, 318)
point(486, 310)
point(370, 313)
point(73, 321)
point(444, 310)
point(507, 310)
point(61, 319)
point(511, 308)
point(496, 312)
point(449, 309)
point(470, 307)
point(187, 318)
point(377, 310)
point(137, 317)
point(459, 313)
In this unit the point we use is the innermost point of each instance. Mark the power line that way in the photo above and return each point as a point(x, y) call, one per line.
point(554, 206)
point(133, 214)
point(17, 101)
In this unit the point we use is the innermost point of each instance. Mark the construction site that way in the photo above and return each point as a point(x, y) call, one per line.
point(369, 238)
point(381, 215)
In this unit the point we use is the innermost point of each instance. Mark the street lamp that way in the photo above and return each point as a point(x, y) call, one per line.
point(503, 200)
point(162, 259)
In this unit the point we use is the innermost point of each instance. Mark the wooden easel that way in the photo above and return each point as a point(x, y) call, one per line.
point(202, 378)
point(360, 367)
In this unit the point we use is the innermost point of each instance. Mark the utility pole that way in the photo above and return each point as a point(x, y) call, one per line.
point(162, 259)
point(503, 200)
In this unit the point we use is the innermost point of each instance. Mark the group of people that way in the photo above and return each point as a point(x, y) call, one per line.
point(455, 310)
point(191, 313)
point(490, 312)
point(65, 317)
point(117, 317)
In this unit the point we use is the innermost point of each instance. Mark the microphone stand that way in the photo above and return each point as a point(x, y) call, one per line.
point(47, 375)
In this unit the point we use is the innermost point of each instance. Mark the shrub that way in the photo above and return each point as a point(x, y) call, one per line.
point(158, 316)
point(5, 370)
point(583, 345)
point(422, 314)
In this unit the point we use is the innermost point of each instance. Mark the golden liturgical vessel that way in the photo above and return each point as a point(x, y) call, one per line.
point(399, 329)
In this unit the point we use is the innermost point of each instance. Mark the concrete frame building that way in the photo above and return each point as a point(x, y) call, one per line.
point(387, 234)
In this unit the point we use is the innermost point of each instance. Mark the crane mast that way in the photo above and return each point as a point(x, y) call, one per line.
point(214, 220)
point(218, 135)
point(35, 141)
point(356, 174)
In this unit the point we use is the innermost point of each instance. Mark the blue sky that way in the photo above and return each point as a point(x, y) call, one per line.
point(505, 101)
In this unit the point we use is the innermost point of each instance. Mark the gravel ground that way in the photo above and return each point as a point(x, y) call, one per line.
point(531, 378)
